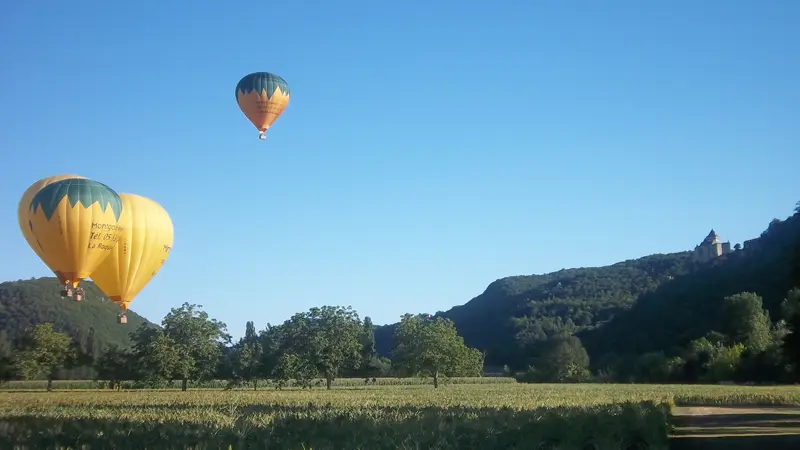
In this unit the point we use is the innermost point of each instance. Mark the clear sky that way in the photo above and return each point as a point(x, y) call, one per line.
point(429, 147)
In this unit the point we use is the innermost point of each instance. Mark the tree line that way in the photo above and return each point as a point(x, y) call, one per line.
point(321, 344)
point(189, 346)
point(748, 347)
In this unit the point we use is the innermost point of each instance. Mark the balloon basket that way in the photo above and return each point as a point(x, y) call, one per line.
point(78, 297)
point(66, 293)
point(122, 319)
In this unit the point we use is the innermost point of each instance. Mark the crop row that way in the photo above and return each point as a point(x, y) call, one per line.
point(238, 421)
point(482, 416)
point(464, 391)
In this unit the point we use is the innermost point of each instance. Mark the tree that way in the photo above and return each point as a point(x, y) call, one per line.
point(431, 347)
point(247, 364)
point(562, 359)
point(469, 363)
point(90, 349)
point(791, 341)
point(327, 338)
point(724, 363)
point(7, 369)
point(746, 322)
point(291, 366)
point(43, 352)
point(197, 340)
point(114, 365)
point(272, 343)
point(367, 341)
point(157, 359)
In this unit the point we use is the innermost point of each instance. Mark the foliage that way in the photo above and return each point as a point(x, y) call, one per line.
point(691, 305)
point(563, 359)
point(156, 358)
point(43, 351)
point(746, 322)
point(196, 340)
point(657, 303)
point(513, 314)
point(432, 347)
point(661, 318)
point(367, 342)
point(115, 365)
point(791, 343)
point(247, 357)
point(25, 304)
point(325, 339)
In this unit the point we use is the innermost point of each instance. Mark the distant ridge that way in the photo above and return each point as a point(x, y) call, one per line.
point(25, 303)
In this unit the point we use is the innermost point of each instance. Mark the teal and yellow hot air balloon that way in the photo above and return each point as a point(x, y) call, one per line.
point(74, 225)
point(25, 204)
point(262, 97)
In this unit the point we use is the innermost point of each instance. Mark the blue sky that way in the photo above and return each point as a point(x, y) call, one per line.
point(429, 147)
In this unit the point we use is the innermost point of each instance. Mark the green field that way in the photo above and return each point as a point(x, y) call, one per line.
point(396, 414)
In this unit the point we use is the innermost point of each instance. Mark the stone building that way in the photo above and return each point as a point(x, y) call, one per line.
point(711, 247)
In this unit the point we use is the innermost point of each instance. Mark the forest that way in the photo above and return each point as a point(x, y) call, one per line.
point(660, 318)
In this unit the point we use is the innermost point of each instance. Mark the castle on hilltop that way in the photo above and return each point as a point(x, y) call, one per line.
point(711, 247)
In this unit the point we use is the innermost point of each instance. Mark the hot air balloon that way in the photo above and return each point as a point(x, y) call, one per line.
point(145, 243)
point(262, 97)
point(74, 224)
point(25, 203)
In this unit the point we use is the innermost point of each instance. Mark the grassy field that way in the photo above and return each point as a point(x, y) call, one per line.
point(390, 415)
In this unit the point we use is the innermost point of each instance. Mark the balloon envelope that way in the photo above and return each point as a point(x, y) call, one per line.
point(262, 97)
point(145, 243)
point(74, 223)
point(25, 203)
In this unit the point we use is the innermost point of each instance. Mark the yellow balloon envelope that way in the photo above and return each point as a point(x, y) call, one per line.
point(144, 246)
point(262, 97)
point(74, 223)
point(25, 203)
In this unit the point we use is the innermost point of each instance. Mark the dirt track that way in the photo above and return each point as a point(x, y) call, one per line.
point(734, 428)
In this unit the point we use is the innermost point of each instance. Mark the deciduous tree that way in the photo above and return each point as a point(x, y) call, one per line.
point(197, 339)
point(248, 364)
point(327, 338)
point(746, 322)
point(156, 358)
point(44, 351)
point(431, 347)
point(114, 365)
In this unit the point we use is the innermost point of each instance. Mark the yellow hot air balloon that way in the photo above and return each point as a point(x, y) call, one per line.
point(74, 223)
point(25, 203)
point(144, 246)
point(262, 97)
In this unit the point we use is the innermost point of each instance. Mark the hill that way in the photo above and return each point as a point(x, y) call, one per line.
point(518, 311)
point(26, 303)
point(658, 302)
point(689, 307)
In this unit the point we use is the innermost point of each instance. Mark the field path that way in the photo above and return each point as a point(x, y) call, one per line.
point(736, 427)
